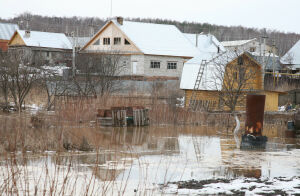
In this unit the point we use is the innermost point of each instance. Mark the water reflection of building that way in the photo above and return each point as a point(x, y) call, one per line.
point(120, 146)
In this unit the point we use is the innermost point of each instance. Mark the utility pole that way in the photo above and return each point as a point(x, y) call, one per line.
point(73, 54)
point(263, 60)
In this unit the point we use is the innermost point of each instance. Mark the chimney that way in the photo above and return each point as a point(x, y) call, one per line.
point(120, 20)
point(27, 34)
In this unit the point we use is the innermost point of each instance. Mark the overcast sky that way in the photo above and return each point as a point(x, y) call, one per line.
point(283, 15)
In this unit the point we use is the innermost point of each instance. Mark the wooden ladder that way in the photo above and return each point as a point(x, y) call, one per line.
point(193, 103)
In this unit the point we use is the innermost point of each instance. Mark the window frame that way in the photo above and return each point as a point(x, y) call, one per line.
point(172, 65)
point(106, 40)
point(117, 40)
point(155, 64)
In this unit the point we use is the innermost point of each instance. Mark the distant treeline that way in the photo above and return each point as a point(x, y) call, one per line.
point(86, 26)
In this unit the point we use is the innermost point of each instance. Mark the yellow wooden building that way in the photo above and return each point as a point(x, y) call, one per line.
point(211, 85)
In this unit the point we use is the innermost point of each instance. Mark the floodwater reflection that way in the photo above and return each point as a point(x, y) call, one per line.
point(148, 155)
point(169, 153)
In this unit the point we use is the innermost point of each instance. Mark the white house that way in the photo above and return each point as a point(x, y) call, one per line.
point(251, 45)
point(146, 49)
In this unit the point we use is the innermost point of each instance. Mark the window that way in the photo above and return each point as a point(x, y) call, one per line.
point(252, 49)
point(48, 54)
point(240, 60)
point(117, 41)
point(97, 42)
point(172, 65)
point(106, 41)
point(155, 65)
point(126, 42)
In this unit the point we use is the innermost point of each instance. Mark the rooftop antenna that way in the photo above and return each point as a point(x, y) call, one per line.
point(27, 19)
point(111, 8)
point(92, 27)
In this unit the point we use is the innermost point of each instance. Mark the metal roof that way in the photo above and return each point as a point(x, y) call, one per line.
point(293, 55)
point(46, 39)
point(7, 30)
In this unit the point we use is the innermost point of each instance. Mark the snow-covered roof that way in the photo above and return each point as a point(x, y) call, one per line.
point(208, 51)
point(7, 30)
point(293, 55)
point(45, 39)
point(205, 42)
point(208, 81)
point(211, 79)
point(158, 39)
point(236, 42)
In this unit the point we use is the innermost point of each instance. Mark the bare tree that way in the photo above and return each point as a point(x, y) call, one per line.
point(235, 74)
point(54, 84)
point(4, 79)
point(98, 74)
point(22, 73)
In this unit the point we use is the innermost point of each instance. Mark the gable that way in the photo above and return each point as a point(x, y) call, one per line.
point(16, 40)
point(246, 57)
point(111, 31)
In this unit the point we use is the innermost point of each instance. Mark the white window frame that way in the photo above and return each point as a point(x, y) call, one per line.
point(172, 65)
point(106, 41)
point(155, 64)
point(117, 40)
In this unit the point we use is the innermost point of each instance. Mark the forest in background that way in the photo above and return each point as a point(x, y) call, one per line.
point(87, 26)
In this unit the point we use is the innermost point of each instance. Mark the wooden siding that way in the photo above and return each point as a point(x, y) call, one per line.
point(271, 100)
point(111, 31)
point(16, 40)
point(252, 66)
point(212, 97)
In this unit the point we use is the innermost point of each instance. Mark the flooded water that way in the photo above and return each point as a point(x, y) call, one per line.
point(148, 157)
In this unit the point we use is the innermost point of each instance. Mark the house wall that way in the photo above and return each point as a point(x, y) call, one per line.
point(52, 56)
point(255, 45)
point(112, 31)
point(4, 45)
point(17, 40)
point(163, 71)
point(271, 103)
point(233, 69)
point(143, 65)
point(208, 96)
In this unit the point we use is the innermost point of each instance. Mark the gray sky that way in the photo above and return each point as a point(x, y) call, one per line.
point(282, 15)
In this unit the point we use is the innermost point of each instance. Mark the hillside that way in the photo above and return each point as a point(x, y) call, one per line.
point(87, 26)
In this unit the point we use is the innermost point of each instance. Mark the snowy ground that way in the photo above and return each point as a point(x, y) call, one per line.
point(247, 186)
